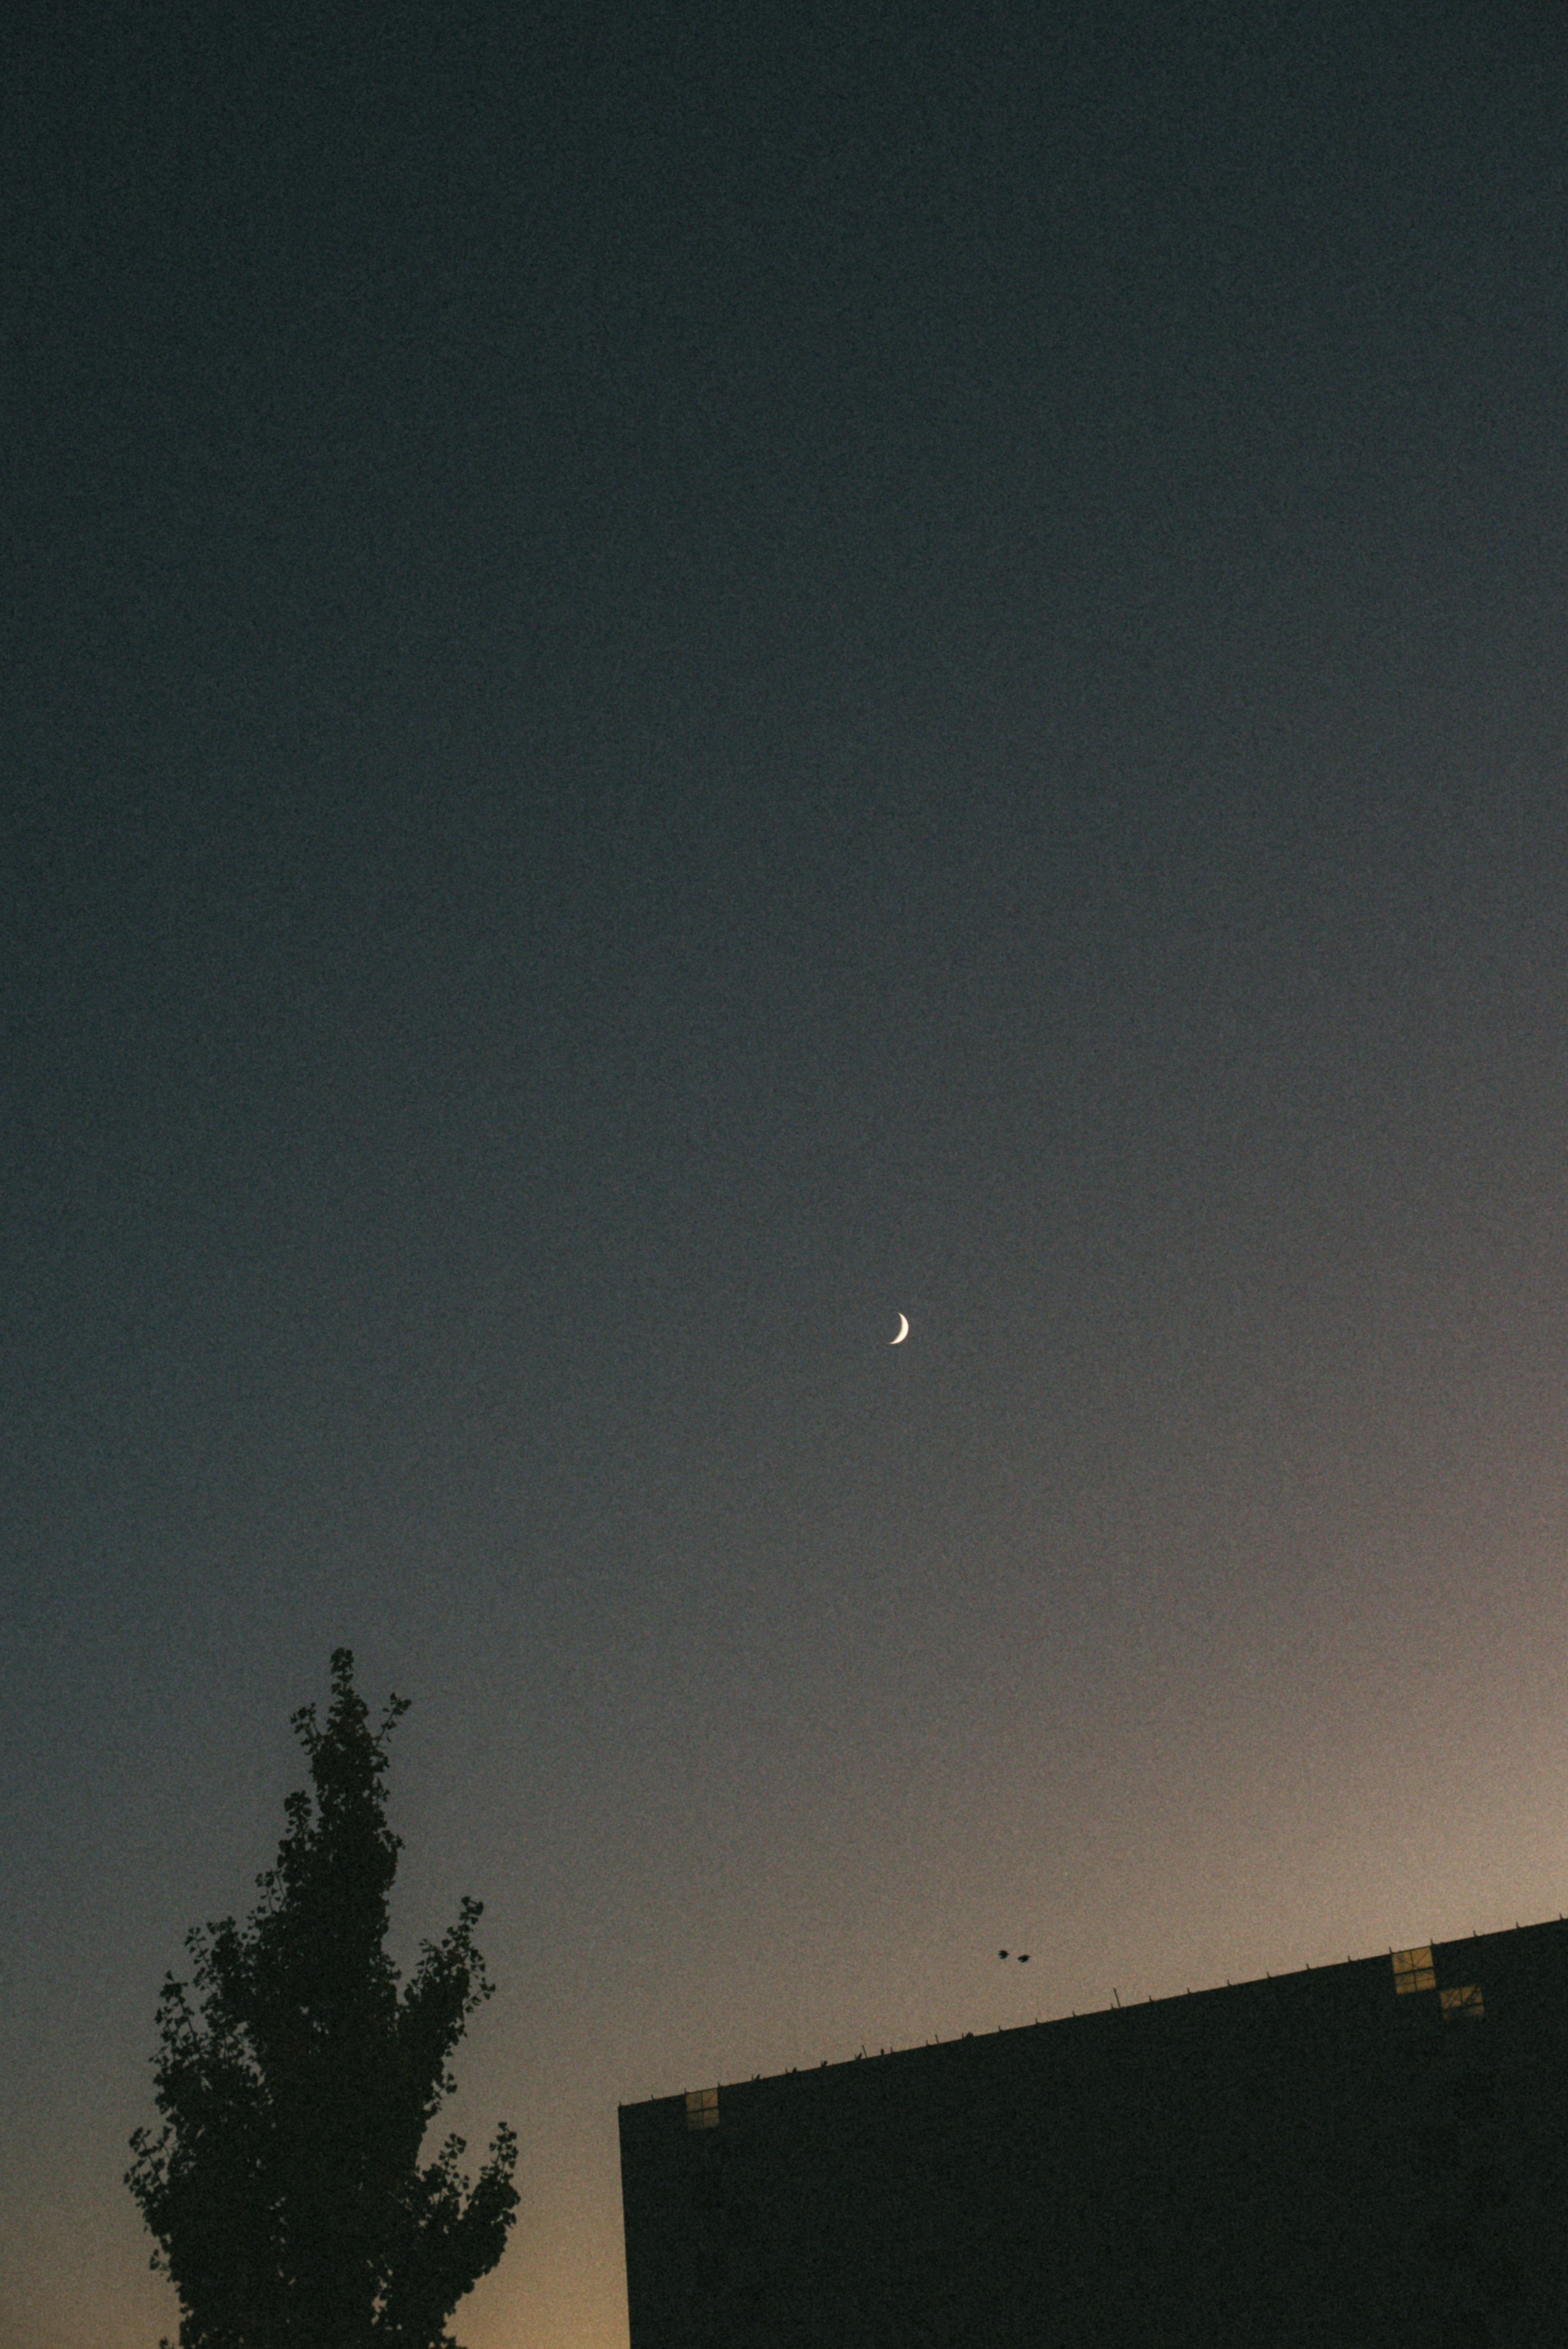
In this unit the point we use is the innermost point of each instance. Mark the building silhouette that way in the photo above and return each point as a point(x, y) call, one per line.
point(1367, 2156)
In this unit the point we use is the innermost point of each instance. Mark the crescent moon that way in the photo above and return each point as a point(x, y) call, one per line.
point(902, 1331)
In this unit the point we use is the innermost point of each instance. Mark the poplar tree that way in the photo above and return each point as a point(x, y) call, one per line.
point(285, 2191)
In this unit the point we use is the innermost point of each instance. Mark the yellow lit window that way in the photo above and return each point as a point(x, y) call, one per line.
point(702, 2109)
point(1413, 1970)
point(1462, 2005)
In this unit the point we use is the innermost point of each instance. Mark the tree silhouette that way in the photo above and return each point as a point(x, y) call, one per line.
point(285, 2190)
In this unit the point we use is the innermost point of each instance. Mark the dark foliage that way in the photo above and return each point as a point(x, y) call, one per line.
point(285, 2189)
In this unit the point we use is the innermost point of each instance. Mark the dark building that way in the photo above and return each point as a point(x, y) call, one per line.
point(1370, 2156)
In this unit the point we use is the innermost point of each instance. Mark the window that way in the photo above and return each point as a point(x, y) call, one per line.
point(702, 2109)
point(1462, 2005)
point(1413, 1970)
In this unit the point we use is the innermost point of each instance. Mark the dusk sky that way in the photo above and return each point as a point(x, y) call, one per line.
point(678, 679)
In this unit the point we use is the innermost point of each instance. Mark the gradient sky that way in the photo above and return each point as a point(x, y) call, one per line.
point(681, 678)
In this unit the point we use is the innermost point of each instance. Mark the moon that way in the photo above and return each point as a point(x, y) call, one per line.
point(902, 1331)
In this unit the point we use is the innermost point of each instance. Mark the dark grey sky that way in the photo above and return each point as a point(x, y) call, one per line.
point(678, 681)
